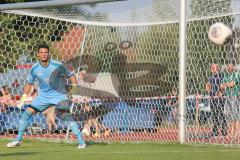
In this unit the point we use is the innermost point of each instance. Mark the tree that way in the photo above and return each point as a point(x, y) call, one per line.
point(21, 34)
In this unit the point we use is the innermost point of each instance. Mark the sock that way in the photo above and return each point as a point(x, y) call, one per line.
point(74, 126)
point(23, 124)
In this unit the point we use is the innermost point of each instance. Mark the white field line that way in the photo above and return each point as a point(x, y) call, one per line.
point(160, 151)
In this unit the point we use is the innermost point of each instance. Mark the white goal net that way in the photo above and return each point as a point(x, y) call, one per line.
point(125, 56)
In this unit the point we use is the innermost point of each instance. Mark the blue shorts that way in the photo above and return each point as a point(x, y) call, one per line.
point(41, 103)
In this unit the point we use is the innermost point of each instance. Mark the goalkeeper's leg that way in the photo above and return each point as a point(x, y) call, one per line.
point(66, 116)
point(22, 127)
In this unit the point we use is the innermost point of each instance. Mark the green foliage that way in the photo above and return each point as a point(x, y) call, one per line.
point(20, 35)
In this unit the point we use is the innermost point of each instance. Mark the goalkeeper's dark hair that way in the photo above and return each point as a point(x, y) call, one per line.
point(43, 46)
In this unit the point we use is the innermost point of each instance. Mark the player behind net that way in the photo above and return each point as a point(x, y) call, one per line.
point(51, 75)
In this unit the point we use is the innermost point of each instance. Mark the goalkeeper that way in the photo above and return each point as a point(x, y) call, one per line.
point(51, 75)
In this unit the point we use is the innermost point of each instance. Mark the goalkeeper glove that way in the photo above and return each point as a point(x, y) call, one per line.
point(22, 101)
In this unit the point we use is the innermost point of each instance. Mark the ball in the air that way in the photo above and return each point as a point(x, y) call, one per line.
point(219, 33)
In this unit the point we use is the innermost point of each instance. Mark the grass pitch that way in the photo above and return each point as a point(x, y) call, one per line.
point(38, 150)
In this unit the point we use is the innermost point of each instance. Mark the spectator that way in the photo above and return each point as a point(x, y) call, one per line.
point(217, 101)
point(15, 83)
point(161, 112)
point(166, 110)
point(6, 98)
point(6, 93)
point(2, 109)
point(231, 85)
point(50, 116)
point(85, 80)
point(173, 103)
point(15, 86)
point(156, 116)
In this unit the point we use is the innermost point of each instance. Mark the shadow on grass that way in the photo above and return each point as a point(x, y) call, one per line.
point(89, 143)
point(96, 143)
point(17, 154)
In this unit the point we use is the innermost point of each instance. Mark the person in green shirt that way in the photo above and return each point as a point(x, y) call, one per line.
point(231, 86)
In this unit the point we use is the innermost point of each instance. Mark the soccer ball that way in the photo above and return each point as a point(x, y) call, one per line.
point(85, 132)
point(219, 33)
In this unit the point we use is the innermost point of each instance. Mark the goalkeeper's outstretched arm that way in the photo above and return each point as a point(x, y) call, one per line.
point(27, 88)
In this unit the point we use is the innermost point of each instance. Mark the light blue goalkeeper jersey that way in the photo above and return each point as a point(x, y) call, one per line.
point(51, 78)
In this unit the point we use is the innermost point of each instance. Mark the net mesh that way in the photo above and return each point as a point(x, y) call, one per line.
point(113, 12)
point(125, 56)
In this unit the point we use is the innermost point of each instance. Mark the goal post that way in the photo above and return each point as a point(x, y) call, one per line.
point(142, 68)
point(182, 69)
